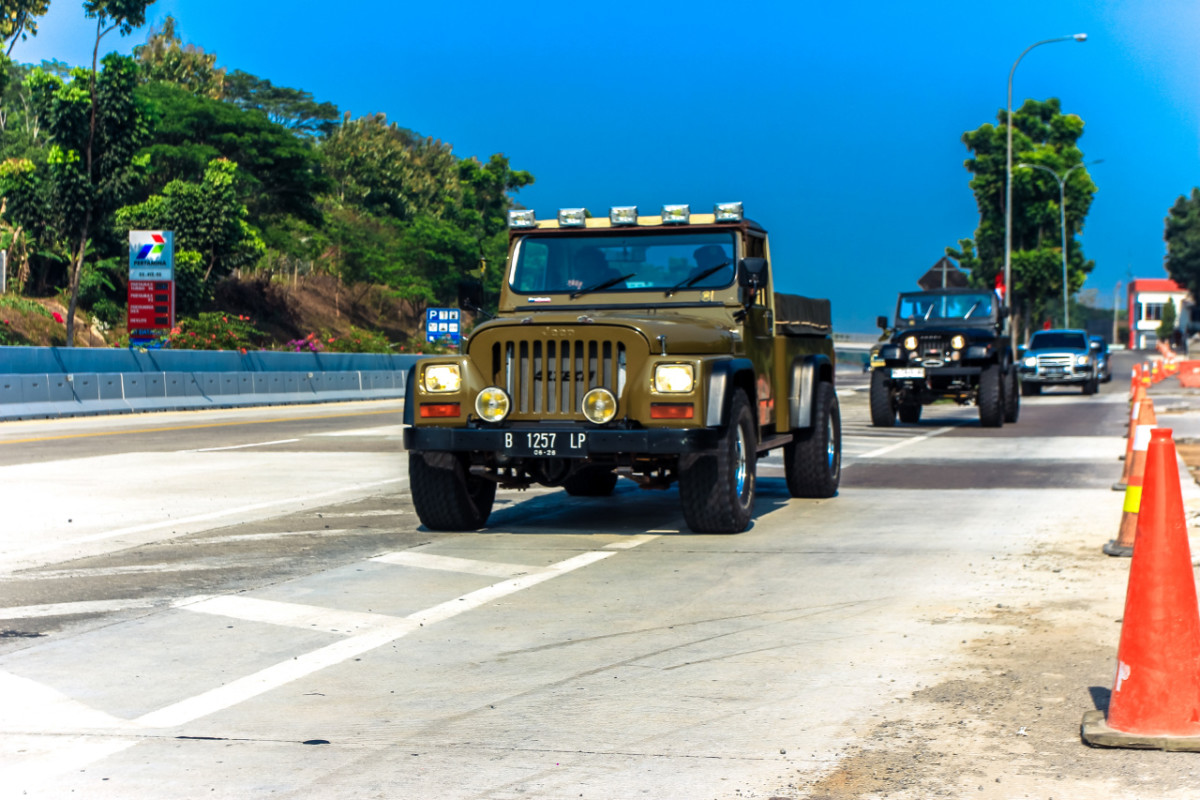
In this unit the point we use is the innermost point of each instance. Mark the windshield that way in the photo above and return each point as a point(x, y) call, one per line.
point(921, 307)
point(557, 264)
point(1058, 340)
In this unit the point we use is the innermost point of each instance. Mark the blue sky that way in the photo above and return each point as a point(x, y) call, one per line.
point(837, 124)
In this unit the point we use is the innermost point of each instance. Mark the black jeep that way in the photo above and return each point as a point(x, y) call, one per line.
point(946, 343)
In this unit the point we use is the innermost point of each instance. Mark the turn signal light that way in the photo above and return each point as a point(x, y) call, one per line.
point(441, 409)
point(671, 411)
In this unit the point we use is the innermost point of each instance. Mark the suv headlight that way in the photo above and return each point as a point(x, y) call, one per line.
point(673, 378)
point(1031, 361)
point(441, 378)
point(1082, 361)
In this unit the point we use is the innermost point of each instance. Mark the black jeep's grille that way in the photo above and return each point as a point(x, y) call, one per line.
point(550, 377)
point(933, 344)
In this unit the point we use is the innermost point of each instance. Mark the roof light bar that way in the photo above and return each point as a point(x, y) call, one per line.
point(623, 215)
point(728, 212)
point(676, 215)
point(522, 218)
point(572, 217)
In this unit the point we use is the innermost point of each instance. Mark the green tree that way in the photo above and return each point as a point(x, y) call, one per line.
point(294, 109)
point(1042, 135)
point(207, 217)
point(18, 19)
point(1183, 242)
point(1167, 326)
point(164, 57)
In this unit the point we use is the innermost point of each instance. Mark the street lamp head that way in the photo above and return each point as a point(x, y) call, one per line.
point(1080, 37)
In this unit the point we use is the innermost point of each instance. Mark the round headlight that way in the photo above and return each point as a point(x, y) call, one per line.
point(1031, 361)
point(599, 405)
point(442, 378)
point(910, 343)
point(958, 342)
point(673, 378)
point(492, 404)
point(1082, 361)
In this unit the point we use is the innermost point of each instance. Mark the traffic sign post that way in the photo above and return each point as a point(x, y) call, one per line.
point(151, 285)
point(443, 325)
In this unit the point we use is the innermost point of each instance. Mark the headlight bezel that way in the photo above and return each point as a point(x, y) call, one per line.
point(674, 378)
point(449, 382)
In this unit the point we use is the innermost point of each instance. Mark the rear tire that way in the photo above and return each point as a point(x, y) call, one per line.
point(910, 413)
point(883, 413)
point(591, 482)
point(991, 397)
point(812, 462)
point(446, 495)
point(717, 490)
point(1012, 397)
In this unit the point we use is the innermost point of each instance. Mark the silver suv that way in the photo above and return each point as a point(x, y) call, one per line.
point(1058, 358)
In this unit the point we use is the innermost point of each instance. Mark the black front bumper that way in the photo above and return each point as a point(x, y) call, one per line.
point(607, 441)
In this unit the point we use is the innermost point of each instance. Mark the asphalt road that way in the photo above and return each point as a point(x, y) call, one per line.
point(242, 604)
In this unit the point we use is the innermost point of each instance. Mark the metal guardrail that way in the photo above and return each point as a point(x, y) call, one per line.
point(39, 382)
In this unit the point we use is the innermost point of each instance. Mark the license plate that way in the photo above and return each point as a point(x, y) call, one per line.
point(545, 444)
point(909, 372)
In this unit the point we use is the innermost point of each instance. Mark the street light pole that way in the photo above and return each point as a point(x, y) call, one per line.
point(1078, 37)
point(1062, 222)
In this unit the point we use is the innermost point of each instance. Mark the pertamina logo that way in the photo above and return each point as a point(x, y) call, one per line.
point(153, 250)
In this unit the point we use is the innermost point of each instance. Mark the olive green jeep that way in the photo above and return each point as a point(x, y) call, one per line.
point(648, 347)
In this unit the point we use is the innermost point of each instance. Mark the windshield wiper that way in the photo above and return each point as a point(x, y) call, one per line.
point(971, 310)
point(696, 278)
point(603, 285)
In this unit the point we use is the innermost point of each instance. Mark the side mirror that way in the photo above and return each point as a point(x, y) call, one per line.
point(1097, 346)
point(752, 272)
point(881, 322)
point(470, 295)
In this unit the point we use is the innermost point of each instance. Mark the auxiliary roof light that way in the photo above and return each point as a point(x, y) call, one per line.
point(622, 215)
point(728, 212)
point(572, 217)
point(676, 215)
point(522, 218)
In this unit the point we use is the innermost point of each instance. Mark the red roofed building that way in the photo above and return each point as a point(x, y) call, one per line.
point(1147, 298)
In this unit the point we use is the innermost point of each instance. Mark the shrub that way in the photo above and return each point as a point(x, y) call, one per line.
point(213, 330)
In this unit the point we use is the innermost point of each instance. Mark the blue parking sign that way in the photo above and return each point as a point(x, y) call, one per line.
point(443, 325)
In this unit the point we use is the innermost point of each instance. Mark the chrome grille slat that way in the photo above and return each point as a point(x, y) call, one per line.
point(548, 379)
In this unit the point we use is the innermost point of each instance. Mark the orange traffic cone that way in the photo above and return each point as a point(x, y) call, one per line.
point(1135, 447)
point(1155, 701)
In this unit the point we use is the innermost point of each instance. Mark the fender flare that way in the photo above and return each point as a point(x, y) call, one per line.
point(807, 372)
point(721, 383)
point(409, 383)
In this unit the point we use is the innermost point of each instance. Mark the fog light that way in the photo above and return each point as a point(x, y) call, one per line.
point(492, 404)
point(599, 405)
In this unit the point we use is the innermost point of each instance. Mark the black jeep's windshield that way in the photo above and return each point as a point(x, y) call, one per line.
point(558, 264)
point(1058, 340)
point(924, 307)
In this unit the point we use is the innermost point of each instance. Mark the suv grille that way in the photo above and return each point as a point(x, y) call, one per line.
point(1057, 362)
point(548, 377)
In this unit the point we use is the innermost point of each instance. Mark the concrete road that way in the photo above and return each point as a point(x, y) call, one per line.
point(242, 604)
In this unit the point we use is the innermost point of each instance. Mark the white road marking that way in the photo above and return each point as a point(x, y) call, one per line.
point(79, 607)
point(34, 707)
point(379, 512)
point(292, 615)
point(273, 677)
point(239, 446)
point(259, 537)
point(107, 572)
point(906, 442)
point(228, 512)
point(386, 430)
point(409, 558)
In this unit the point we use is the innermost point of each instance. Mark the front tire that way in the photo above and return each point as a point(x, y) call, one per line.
point(812, 462)
point(1092, 386)
point(717, 490)
point(883, 413)
point(446, 495)
point(991, 397)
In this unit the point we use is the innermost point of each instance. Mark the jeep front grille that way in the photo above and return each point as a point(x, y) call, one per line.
point(934, 345)
point(548, 378)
